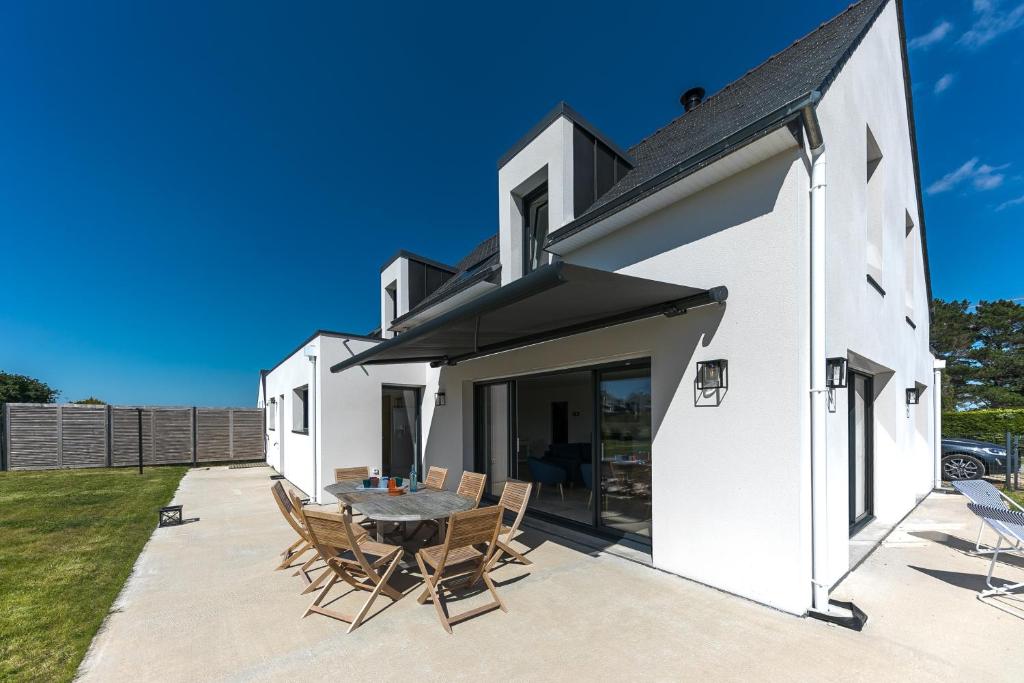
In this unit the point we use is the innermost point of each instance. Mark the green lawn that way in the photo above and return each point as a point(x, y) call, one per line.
point(68, 540)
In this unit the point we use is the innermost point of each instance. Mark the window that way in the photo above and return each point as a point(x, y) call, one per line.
point(875, 209)
point(535, 229)
point(271, 411)
point(300, 410)
point(909, 267)
point(390, 303)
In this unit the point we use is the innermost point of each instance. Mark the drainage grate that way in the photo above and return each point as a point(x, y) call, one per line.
point(246, 465)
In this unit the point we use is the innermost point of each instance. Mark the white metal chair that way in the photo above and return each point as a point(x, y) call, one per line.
point(980, 492)
point(1011, 523)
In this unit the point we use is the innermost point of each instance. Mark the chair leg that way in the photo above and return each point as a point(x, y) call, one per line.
point(504, 547)
point(561, 492)
point(382, 583)
point(317, 581)
point(494, 592)
point(431, 591)
point(288, 551)
point(303, 571)
point(320, 596)
point(287, 562)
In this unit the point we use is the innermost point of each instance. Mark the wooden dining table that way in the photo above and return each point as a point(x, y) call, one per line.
point(377, 505)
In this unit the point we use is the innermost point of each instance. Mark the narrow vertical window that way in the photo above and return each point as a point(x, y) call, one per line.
point(300, 409)
point(875, 208)
point(909, 267)
point(535, 229)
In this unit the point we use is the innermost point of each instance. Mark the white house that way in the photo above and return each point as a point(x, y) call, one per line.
point(711, 343)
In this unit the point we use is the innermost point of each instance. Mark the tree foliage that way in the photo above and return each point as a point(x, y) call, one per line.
point(91, 401)
point(984, 353)
point(21, 389)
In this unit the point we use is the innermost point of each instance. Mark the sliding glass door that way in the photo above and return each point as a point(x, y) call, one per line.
point(582, 437)
point(400, 418)
point(625, 450)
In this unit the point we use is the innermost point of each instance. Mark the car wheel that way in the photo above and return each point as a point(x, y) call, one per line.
point(960, 466)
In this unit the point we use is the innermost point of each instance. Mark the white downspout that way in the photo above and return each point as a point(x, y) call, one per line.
point(819, 407)
point(937, 367)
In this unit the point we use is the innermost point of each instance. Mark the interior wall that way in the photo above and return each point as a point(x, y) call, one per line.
point(534, 409)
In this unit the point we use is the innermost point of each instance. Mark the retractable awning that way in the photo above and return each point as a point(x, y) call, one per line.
point(554, 301)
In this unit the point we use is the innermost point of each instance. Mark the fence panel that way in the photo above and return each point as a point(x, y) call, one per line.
point(213, 434)
point(172, 436)
point(83, 436)
point(50, 436)
point(247, 433)
point(33, 437)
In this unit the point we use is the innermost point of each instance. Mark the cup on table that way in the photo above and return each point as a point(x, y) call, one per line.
point(398, 482)
point(374, 481)
point(367, 483)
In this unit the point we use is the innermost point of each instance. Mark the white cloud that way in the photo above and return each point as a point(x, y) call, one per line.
point(943, 83)
point(1013, 202)
point(980, 176)
point(936, 35)
point(990, 22)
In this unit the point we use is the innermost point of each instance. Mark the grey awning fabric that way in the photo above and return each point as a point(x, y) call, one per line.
point(554, 301)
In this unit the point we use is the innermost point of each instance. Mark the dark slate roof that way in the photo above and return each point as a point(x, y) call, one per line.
point(807, 65)
point(479, 264)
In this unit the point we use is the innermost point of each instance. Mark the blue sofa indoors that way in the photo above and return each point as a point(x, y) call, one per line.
point(569, 457)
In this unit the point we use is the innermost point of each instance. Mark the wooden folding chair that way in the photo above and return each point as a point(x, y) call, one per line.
point(351, 558)
point(472, 485)
point(351, 473)
point(307, 566)
point(458, 557)
point(436, 476)
point(286, 504)
point(514, 498)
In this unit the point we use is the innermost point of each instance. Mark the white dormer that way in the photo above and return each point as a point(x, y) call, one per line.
point(405, 280)
point(553, 174)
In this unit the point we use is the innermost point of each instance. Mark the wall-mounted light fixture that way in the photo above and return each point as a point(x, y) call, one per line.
point(913, 396)
point(440, 399)
point(835, 372)
point(712, 374)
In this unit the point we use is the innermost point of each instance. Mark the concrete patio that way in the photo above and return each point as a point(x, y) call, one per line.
point(205, 604)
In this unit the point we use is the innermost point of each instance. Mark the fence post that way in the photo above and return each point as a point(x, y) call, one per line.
point(140, 439)
point(231, 434)
point(60, 436)
point(109, 410)
point(195, 441)
point(1009, 461)
point(5, 441)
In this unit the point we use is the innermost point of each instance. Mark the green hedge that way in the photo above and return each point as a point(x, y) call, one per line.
point(987, 425)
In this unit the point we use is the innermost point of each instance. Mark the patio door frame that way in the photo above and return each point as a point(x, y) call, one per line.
point(858, 522)
point(480, 462)
point(418, 455)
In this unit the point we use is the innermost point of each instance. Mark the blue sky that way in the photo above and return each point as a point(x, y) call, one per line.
point(187, 190)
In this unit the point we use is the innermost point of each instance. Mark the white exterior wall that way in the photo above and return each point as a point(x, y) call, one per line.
point(727, 480)
point(869, 91)
point(547, 157)
point(346, 408)
point(289, 452)
point(351, 415)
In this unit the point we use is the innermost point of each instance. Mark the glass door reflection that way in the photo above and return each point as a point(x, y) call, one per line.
point(624, 424)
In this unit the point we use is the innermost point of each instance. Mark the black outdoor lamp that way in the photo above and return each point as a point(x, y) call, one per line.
point(835, 372)
point(440, 399)
point(712, 374)
point(913, 396)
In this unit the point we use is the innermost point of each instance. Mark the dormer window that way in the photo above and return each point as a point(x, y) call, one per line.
point(535, 229)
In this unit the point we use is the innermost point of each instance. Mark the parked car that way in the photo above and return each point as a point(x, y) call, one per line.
point(971, 459)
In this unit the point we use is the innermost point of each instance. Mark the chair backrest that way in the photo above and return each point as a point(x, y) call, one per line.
point(473, 527)
point(331, 533)
point(351, 473)
point(472, 485)
point(514, 498)
point(436, 476)
point(1010, 521)
point(287, 507)
point(981, 492)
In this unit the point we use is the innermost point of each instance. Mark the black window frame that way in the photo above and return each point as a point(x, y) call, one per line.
point(536, 197)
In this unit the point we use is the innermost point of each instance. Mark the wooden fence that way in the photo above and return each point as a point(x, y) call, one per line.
point(39, 436)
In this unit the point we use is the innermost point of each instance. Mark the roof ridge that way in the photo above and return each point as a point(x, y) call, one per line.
point(728, 86)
